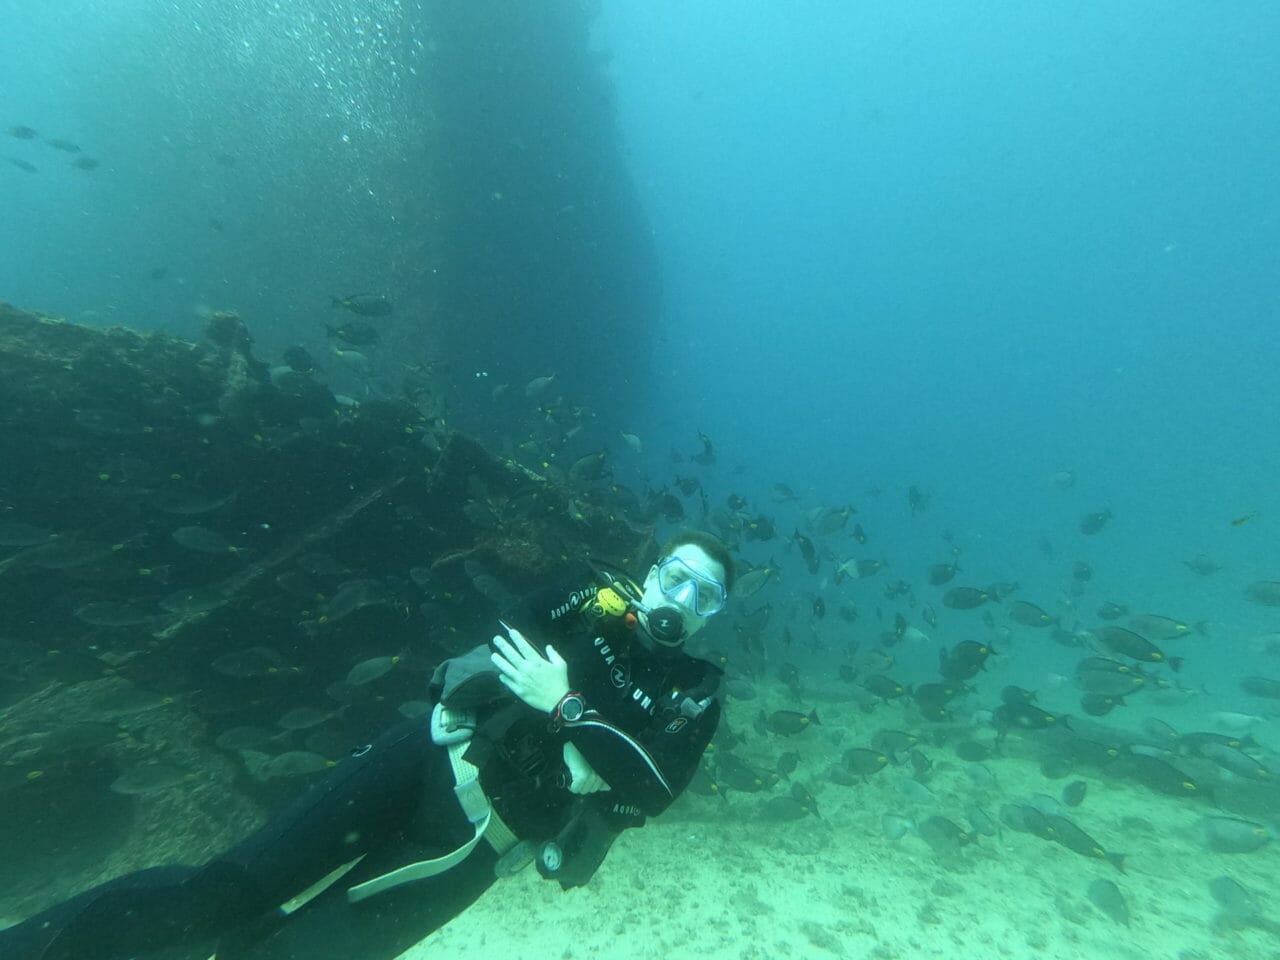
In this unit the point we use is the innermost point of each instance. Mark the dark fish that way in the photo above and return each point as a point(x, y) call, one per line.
point(883, 687)
point(1202, 564)
point(1024, 818)
point(751, 582)
point(893, 742)
point(964, 660)
point(1265, 592)
point(1062, 831)
point(917, 500)
point(1106, 896)
point(1237, 761)
point(1081, 571)
point(980, 823)
point(66, 146)
point(1266, 688)
point(299, 360)
point(932, 699)
point(1093, 752)
point(1244, 518)
point(1233, 835)
point(159, 273)
point(365, 304)
point(1164, 733)
point(1013, 694)
point(1029, 615)
point(1073, 793)
point(929, 615)
point(1129, 644)
point(1155, 627)
point(1112, 611)
point(790, 722)
point(783, 493)
point(941, 573)
point(1240, 908)
point(801, 795)
point(1092, 523)
point(782, 809)
point(23, 133)
point(355, 333)
point(761, 528)
point(828, 520)
point(864, 762)
point(1025, 716)
point(736, 502)
point(965, 598)
point(588, 470)
point(787, 764)
point(1160, 775)
point(970, 751)
point(1100, 704)
point(707, 456)
point(203, 540)
point(858, 569)
point(367, 671)
point(688, 486)
point(1112, 683)
point(944, 837)
point(733, 771)
point(807, 550)
point(859, 534)
point(85, 163)
point(22, 165)
point(704, 782)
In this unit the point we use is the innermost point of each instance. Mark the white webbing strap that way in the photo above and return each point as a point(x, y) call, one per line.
point(478, 810)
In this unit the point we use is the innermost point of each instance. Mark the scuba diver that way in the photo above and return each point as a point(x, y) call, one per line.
point(536, 752)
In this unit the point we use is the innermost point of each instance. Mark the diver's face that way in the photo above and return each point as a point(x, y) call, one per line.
point(689, 580)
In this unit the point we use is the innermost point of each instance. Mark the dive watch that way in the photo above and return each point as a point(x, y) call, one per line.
point(570, 708)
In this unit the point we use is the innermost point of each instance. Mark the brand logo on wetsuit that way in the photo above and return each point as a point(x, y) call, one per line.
point(620, 676)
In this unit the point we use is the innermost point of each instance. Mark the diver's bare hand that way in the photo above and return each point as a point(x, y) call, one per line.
point(540, 681)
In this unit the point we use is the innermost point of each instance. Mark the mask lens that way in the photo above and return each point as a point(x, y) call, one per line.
point(695, 591)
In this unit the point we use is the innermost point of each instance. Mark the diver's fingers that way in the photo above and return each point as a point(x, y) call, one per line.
point(505, 668)
point(524, 646)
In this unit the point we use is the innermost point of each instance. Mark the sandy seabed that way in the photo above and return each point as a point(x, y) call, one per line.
point(711, 879)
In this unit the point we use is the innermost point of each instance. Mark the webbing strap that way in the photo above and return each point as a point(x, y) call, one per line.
point(478, 810)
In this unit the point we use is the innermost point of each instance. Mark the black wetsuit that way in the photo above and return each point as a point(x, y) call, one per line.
point(649, 717)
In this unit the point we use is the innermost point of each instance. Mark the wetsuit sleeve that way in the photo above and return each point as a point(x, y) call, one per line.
point(644, 772)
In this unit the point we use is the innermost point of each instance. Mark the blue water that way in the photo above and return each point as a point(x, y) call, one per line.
point(969, 246)
point(963, 247)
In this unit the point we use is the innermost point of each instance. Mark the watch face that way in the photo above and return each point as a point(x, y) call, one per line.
point(571, 709)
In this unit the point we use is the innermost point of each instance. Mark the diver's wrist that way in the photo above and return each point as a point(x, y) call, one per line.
point(568, 708)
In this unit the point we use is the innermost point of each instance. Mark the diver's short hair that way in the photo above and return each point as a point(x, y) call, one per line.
point(710, 544)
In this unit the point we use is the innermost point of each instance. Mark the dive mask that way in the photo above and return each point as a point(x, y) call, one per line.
point(686, 587)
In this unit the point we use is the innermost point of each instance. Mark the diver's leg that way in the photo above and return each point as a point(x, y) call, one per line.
point(130, 915)
point(364, 803)
point(378, 928)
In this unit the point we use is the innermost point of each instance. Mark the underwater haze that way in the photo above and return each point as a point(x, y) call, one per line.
point(969, 246)
point(959, 323)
